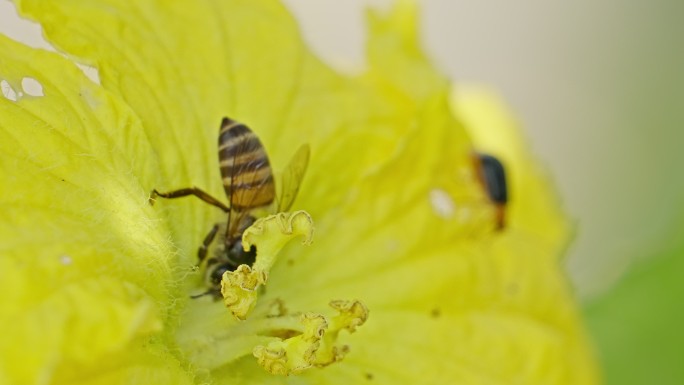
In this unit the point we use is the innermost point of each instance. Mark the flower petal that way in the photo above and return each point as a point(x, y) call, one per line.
point(402, 222)
point(395, 55)
point(246, 61)
point(86, 271)
point(181, 84)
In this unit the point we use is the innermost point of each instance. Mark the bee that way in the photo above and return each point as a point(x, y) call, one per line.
point(492, 175)
point(250, 188)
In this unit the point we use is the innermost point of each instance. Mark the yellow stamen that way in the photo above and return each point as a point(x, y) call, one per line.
point(269, 235)
point(315, 346)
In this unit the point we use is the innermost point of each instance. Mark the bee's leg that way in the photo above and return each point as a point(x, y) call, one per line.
point(202, 251)
point(200, 295)
point(189, 191)
point(216, 293)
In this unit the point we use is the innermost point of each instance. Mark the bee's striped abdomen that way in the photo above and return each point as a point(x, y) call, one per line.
point(245, 169)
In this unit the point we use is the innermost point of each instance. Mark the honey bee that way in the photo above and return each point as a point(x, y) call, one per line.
point(492, 175)
point(250, 188)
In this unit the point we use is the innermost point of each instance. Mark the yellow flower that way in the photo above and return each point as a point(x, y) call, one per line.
point(96, 282)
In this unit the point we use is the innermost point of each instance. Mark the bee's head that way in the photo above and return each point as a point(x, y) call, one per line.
point(238, 256)
point(217, 274)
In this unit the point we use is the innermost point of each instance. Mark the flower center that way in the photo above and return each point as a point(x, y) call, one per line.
point(282, 343)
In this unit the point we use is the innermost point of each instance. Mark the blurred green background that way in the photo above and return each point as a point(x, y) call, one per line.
point(598, 88)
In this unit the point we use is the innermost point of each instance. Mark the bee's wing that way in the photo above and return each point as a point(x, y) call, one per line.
point(292, 177)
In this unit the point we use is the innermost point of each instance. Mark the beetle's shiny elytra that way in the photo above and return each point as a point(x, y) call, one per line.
point(492, 175)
